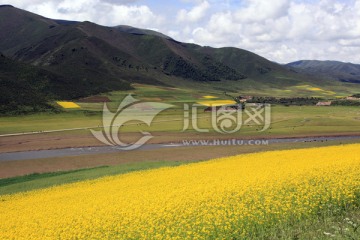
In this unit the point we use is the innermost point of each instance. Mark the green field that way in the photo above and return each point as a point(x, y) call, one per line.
point(292, 120)
point(167, 126)
point(305, 119)
point(45, 180)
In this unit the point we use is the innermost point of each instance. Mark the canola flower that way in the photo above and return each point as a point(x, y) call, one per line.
point(322, 91)
point(215, 103)
point(68, 104)
point(315, 89)
point(209, 97)
point(224, 198)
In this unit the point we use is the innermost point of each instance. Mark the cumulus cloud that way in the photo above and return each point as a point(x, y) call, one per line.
point(192, 1)
point(140, 16)
point(260, 10)
point(120, 2)
point(105, 12)
point(195, 14)
point(285, 30)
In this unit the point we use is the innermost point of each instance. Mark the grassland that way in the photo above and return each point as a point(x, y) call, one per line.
point(294, 121)
point(90, 113)
point(285, 120)
point(45, 180)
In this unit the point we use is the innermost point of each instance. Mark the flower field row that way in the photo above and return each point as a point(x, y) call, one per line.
point(68, 104)
point(233, 197)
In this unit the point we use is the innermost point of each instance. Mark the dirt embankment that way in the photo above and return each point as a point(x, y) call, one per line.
point(84, 138)
point(23, 167)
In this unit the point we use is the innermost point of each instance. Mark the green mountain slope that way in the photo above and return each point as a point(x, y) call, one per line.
point(84, 58)
point(26, 88)
point(344, 72)
point(89, 52)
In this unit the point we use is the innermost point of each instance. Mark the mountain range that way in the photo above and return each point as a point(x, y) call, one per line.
point(59, 59)
point(344, 72)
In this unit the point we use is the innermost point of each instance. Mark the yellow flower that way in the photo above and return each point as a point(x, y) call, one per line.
point(68, 104)
point(215, 103)
point(209, 97)
point(223, 198)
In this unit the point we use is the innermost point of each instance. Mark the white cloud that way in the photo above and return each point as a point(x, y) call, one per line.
point(120, 2)
point(287, 30)
point(192, 1)
point(349, 42)
point(260, 10)
point(105, 12)
point(195, 14)
point(140, 16)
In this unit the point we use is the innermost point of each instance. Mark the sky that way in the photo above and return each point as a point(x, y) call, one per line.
point(280, 30)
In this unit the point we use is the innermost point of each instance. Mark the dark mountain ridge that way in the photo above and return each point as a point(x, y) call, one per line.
point(344, 72)
point(119, 52)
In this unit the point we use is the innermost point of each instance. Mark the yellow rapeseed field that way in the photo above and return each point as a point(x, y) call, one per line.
point(215, 103)
point(315, 89)
point(222, 198)
point(321, 90)
point(209, 97)
point(68, 104)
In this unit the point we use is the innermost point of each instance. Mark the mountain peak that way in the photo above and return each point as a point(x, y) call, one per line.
point(140, 31)
point(6, 5)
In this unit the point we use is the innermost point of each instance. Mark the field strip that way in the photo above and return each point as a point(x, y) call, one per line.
point(85, 128)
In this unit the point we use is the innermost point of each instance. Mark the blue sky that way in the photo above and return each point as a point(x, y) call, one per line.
point(280, 30)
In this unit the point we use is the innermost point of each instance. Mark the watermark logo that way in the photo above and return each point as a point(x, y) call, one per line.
point(230, 118)
point(259, 114)
point(129, 110)
point(224, 119)
point(225, 142)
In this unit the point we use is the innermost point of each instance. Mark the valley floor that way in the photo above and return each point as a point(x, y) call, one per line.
point(287, 122)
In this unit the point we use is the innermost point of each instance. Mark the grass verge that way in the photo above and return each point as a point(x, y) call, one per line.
point(45, 180)
point(337, 222)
